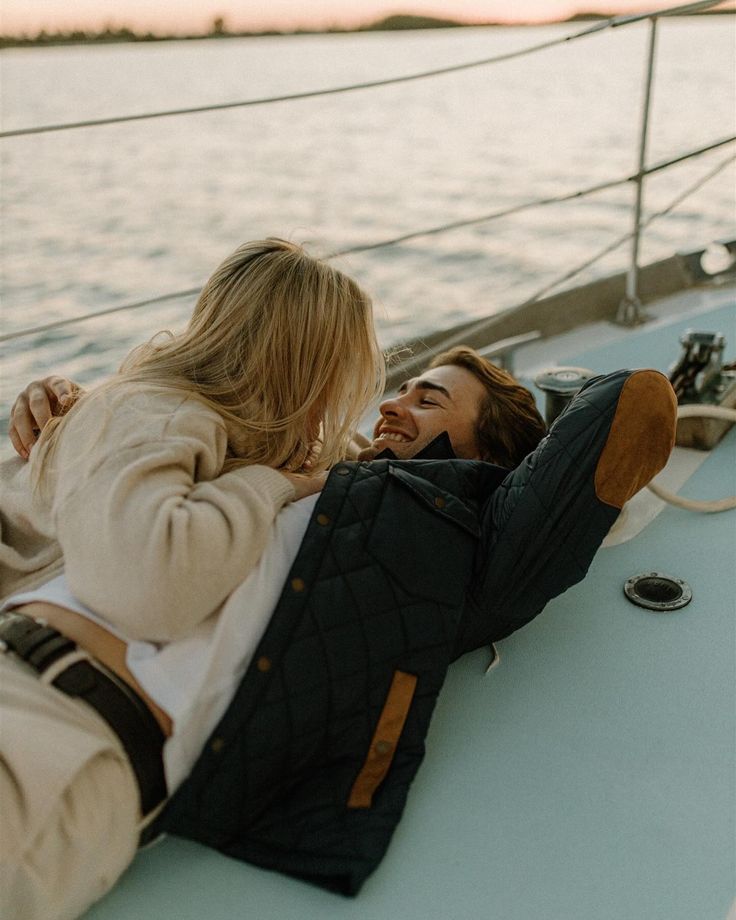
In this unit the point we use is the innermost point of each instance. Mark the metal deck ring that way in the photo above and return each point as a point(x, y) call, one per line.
point(657, 591)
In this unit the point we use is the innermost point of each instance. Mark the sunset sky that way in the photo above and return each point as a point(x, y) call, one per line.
point(176, 16)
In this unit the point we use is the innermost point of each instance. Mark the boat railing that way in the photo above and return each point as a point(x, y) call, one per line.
point(630, 311)
point(502, 352)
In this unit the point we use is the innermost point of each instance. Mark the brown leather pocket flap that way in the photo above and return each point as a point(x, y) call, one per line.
point(384, 741)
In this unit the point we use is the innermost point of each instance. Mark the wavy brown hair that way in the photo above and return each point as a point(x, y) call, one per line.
point(509, 425)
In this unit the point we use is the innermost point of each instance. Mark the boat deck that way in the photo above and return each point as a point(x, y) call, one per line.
point(590, 776)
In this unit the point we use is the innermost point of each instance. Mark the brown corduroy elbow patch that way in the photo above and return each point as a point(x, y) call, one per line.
point(384, 741)
point(640, 440)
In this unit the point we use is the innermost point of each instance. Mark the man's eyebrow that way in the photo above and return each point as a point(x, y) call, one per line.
point(427, 385)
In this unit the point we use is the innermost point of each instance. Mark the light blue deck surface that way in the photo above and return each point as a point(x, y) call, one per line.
point(591, 776)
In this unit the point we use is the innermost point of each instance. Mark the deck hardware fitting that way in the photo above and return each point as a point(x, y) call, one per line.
point(657, 591)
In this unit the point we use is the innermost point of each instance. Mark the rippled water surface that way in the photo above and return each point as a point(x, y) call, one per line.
point(102, 216)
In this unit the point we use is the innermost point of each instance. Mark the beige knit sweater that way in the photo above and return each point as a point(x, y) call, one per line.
point(150, 534)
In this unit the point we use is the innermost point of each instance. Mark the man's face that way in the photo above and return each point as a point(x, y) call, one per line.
point(443, 399)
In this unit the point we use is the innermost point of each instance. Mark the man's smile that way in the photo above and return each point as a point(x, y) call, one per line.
point(391, 435)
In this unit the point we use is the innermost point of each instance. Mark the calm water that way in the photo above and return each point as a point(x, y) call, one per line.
point(102, 216)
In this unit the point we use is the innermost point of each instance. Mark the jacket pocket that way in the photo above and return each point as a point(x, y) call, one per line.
point(447, 505)
point(384, 741)
point(425, 538)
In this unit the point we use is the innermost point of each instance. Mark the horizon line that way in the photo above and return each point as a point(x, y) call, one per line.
point(223, 31)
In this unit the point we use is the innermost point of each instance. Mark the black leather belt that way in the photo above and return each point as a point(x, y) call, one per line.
point(44, 650)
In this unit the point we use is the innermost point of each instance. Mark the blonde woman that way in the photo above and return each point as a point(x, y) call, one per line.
point(157, 493)
point(158, 489)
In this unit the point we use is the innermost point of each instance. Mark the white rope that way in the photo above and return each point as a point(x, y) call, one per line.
point(721, 504)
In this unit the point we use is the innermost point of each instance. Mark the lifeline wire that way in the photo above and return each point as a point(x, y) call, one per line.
point(540, 202)
point(627, 236)
point(615, 22)
point(486, 218)
point(458, 337)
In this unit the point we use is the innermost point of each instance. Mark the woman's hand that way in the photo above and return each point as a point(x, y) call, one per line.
point(358, 443)
point(313, 456)
point(305, 483)
point(35, 406)
point(371, 451)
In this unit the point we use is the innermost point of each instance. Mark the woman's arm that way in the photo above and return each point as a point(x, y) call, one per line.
point(154, 539)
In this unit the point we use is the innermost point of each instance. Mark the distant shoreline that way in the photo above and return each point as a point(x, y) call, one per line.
point(219, 30)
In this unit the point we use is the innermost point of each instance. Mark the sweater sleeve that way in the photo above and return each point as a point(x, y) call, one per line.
point(153, 538)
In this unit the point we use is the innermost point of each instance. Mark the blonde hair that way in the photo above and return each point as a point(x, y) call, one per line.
point(281, 345)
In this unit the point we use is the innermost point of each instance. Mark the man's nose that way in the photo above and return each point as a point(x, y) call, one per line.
point(391, 408)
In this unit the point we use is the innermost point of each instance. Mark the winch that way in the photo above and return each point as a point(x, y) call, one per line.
point(699, 377)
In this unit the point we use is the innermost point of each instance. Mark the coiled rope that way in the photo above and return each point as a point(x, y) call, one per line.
point(672, 498)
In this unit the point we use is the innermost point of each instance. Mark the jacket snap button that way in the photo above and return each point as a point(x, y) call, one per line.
point(263, 664)
point(342, 471)
point(439, 502)
point(383, 747)
point(217, 745)
point(297, 585)
point(323, 519)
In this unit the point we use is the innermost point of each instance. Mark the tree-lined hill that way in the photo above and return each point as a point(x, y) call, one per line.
point(219, 30)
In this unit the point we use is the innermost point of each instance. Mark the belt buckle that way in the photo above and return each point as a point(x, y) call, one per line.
point(10, 653)
point(8, 619)
point(15, 628)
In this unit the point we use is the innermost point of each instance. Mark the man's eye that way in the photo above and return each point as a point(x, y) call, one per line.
point(428, 402)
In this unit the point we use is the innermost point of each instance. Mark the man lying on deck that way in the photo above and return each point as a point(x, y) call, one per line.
point(292, 721)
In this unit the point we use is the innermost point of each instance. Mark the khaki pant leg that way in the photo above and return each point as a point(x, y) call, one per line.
point(69, 807)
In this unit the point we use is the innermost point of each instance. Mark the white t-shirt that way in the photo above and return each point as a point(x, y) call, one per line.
point(194, 679)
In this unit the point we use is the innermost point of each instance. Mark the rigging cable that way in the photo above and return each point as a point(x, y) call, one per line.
point(457, 338)
point(644, 224)
point(454, 225)
point(614, 22)
point(539, 202)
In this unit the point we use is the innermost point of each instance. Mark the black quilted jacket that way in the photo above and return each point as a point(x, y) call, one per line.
point(404, 567)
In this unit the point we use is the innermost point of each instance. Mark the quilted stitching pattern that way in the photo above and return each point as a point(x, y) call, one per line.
point(544, 524)
point(322, 697)
point(273, 788)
